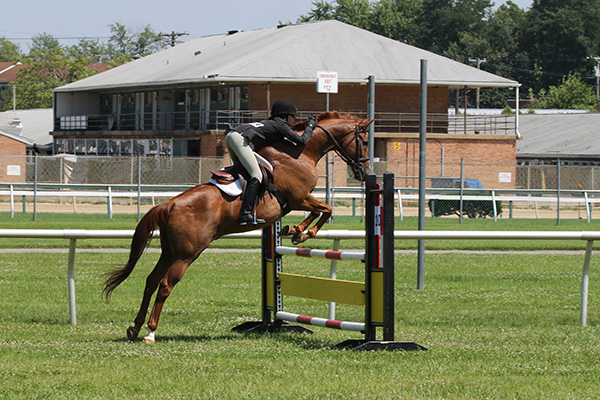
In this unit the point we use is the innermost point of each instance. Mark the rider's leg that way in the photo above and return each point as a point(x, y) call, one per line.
point(233, 140)
point(238, 145)
point(249, 202)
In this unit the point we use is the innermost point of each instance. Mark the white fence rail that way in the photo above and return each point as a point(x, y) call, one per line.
point(585, 200)
point(336, 235)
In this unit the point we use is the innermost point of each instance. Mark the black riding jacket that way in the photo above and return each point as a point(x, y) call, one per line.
point(268, 131)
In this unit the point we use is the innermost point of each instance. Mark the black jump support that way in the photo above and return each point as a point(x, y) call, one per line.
point(379, 242)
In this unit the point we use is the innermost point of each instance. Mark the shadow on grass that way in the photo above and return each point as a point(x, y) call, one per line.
point(175, 338)
point(303, 340)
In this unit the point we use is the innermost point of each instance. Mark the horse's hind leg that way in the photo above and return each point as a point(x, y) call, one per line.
point(173, 276)
point(152, 282)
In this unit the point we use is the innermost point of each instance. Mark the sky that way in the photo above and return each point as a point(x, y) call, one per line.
point(77, 19)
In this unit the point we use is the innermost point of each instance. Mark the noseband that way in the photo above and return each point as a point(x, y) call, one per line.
point(356, 162)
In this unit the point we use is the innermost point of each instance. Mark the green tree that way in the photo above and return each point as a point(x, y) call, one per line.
point(443, 22)
point(125, 44)
point(396, 19)
point(49, 65)
point(43, 43)
point(94, 50)
point(9, 51)
point(559, 36)
point(571, 94)
point(498, 43)
point(504, 34)
point(46, 67)
point(352, 12)
point(322, 11)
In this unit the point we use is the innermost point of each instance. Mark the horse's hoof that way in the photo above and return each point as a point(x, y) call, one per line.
point(285, 230)
point(299, 237)
point(149, 338)
point(132, 333)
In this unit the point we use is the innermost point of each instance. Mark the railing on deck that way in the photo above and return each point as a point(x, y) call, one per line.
point(224, 119)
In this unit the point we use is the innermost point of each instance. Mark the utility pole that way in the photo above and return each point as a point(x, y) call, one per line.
point(478, 61)
point(596, 73)
point(172, 37)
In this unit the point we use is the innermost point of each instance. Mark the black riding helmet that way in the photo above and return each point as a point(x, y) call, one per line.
point(283, 107)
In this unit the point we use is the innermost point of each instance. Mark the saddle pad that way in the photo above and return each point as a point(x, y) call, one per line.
point(233, 189)
point(263, 161)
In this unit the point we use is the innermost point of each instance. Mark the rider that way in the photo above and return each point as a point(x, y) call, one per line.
point(244, 139)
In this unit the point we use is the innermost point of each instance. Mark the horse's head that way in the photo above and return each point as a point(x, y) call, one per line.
point(350, 140)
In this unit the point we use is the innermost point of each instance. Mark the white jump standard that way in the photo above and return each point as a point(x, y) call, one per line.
point(375, 294)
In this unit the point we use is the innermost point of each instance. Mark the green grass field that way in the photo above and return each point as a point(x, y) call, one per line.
point(497, 326)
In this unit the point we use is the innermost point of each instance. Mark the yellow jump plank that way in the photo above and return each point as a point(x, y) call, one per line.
point(340, 291)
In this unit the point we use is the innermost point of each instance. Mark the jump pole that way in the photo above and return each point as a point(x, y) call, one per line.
point(376, 294)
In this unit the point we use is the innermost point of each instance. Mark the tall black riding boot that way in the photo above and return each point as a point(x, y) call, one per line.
point(248, 203)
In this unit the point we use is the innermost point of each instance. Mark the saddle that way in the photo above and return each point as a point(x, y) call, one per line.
point(232, 181)
point(229, 175)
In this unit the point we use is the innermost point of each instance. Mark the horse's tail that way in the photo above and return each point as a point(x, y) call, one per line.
point(157, 215)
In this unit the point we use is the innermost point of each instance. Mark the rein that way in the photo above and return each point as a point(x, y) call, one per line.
point(355, 163)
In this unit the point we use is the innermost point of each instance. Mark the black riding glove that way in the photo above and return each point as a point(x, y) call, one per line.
point(310, 123)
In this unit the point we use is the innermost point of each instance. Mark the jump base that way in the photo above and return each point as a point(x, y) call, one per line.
point(364, 345)
point(261, 327)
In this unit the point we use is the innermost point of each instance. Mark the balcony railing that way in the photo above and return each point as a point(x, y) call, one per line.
point(223, 120)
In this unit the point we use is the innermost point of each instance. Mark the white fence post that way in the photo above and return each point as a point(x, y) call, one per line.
point(71, 281)
point(585, 278)
point(12, 202)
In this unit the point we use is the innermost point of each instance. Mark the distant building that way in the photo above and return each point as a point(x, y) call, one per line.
point(569, 137)
point(8, 73)
point(562, 137)
point(30, 126)
point(12, 158)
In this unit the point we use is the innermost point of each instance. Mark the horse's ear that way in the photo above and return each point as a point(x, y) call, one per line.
point(364, 123)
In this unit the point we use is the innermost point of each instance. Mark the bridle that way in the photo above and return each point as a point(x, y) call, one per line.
point(356, 162)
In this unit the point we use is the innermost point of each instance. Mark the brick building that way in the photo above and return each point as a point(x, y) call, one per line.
point(181, 101)
point(12, 158)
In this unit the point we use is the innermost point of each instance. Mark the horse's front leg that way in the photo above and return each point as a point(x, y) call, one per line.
point(316, 208)
point(301, 227)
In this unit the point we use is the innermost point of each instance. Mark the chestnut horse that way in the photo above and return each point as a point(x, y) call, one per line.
point(189, 222)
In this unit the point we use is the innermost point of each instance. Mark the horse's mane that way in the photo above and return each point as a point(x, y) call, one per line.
point(335, 115)
point(300, 126)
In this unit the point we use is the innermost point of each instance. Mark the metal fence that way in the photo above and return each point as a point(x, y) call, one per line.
point(489, 189)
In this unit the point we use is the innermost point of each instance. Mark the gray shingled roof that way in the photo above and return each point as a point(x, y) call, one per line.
point(37, 124)
point(293, 53)
point(559, 136)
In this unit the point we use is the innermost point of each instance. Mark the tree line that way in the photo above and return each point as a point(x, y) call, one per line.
point(550, 48)
point(48, 64)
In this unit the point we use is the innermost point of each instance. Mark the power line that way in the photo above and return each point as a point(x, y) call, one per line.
point(64, 38)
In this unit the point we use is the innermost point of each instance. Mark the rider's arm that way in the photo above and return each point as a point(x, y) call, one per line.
point(294, 137)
